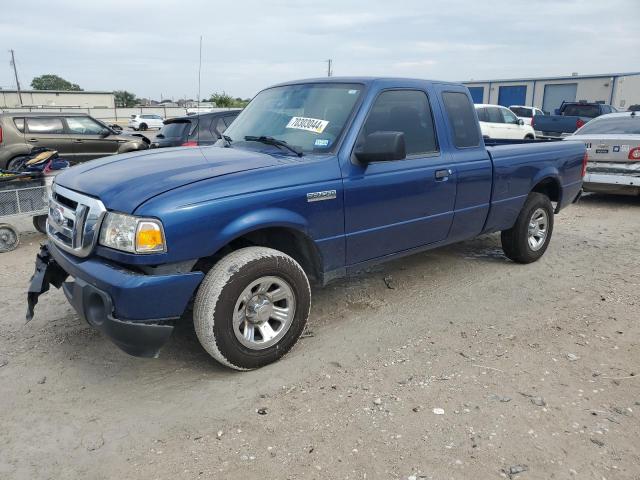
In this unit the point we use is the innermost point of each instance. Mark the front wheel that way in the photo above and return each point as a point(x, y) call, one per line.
point(252, 307)
point(143, 127)
point(529, 237)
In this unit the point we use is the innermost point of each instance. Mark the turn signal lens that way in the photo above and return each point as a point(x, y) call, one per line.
point(149, 237)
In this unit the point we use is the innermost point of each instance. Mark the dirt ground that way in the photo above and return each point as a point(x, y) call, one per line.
point(468, 367)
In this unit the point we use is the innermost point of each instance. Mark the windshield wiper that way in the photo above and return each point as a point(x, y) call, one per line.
point(275, 142)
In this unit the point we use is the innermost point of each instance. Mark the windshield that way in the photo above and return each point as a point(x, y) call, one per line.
point(577, 110)
point(308, 116)
point(624, 125)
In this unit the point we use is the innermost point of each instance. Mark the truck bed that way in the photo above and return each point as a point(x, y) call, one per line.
point(513, 164)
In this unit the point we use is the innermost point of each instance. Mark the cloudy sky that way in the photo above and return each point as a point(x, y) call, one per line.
point(151, 47)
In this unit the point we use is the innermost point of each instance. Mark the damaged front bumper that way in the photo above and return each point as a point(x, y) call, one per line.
point(136, 311)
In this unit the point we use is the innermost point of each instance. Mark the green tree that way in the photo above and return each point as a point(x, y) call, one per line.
point(222, 100)
point(125, 99)
point(53, 82)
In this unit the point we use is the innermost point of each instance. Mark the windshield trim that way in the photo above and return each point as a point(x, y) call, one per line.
point(347, 124)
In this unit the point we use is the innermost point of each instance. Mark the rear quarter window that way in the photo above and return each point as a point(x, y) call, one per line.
point(462, 119)
point(45, 125)
point(19, 123)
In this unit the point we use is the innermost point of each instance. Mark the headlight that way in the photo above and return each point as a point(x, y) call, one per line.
point(132, 234)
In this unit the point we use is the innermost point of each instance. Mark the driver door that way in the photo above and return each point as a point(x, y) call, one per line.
point(90, 139)
point(397, 205)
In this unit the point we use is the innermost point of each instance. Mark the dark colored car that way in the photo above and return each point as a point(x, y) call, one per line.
point(192, 130)
point(76, 136)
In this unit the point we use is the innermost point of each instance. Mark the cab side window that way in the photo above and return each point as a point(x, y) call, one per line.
point(84, 126)
point(45, 125)
point(508, 116)
point(406, 111)
point(494, 115)
point(462, 120)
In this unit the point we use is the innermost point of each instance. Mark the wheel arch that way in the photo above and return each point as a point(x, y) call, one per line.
point(549, 186)
point(288, 236)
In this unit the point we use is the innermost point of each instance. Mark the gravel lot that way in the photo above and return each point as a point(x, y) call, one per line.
point(454, 363)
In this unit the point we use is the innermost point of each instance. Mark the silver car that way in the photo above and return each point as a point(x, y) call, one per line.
point(613, 149)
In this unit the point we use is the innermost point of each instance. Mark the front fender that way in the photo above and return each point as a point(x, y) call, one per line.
point(259, 219)
point(132, 146)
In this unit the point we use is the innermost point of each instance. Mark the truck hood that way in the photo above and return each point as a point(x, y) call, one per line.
point(123, 182)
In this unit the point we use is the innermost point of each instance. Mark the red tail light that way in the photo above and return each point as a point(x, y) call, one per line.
point(579, 123)
point(634, 153)
point(585, 159)
point(0, 134)
point(190, 143)
point(533, 121)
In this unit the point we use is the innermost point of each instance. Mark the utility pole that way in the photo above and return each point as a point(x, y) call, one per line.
point(15, 72)
point(329, 68)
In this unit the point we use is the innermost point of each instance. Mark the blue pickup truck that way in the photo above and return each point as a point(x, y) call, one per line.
point(568, 118)
point(314, 180)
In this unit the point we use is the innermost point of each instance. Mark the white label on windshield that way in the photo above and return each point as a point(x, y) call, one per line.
point(309, 124)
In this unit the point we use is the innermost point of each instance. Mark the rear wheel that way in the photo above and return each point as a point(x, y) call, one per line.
point(9, 238)
point(529, 137)
point(529, 238)
point(252, 307)
point(143, 127)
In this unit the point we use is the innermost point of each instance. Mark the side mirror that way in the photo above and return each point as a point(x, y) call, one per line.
point(381, 147)
point(520, 121)
point(105, 132)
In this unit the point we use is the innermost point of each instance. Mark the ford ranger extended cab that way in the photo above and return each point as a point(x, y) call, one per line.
point(314, 180)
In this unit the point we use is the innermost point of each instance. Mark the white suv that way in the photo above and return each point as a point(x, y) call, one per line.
point(145, 121)
point(497, 121)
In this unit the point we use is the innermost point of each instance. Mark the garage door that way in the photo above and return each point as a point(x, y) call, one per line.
point(512, 95)
point(477, 94)
point(554, 95)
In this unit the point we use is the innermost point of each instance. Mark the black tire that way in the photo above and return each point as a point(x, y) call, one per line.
point(9, 238)
point(529, 137)
point(143, 127)
point(221, 298)
point(11, 164)
point(40, 223)
point(517, 241)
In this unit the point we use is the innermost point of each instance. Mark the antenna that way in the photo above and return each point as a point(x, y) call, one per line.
point(198, 104)
point(15, 72)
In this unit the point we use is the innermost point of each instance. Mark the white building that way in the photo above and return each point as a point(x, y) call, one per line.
point(618, 89)
point(56, 98)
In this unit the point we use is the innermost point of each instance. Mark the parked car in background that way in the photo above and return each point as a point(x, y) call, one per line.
point(634, 108)
point(76, 136)
point(525, 113)
point(145, 121)
point(568, 118)
point(613, 145)
point(315, 180)
point(192, 130)
point(498, 122)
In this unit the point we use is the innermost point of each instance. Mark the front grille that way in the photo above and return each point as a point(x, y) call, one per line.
point(74, 220)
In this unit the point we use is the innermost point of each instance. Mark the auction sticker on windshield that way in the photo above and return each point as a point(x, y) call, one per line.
point(314, 125)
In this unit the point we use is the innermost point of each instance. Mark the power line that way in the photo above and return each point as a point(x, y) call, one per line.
point(15, 72)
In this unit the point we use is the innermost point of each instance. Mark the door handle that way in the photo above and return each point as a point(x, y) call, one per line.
point(442, 175)
point(32, 140)
point(77, 140)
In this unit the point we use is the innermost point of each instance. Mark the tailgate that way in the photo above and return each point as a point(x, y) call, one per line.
point(549, 124)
